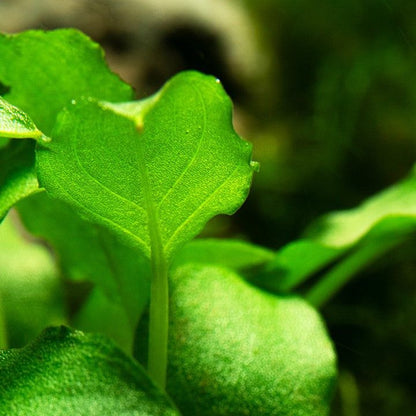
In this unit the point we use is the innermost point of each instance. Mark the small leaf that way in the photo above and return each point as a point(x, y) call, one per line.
point(156, 183)
point(46, 70)
point(235, 350)
point(18, 177)
point(65, 373)
point(14, 123)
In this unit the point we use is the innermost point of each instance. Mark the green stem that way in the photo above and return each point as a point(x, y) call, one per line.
point(158, 321)
point(339, 275)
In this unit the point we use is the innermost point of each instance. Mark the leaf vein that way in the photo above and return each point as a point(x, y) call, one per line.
point(203, 203)
point(74, 149)
point(197, 150)
point(76, 201)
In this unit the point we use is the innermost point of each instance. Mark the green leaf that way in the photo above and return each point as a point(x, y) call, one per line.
point(46, 70)
point(235, 350)
point(347, 240)
point(14, 123)
point(158, 182)
point(233, 254)
point(100, 314)
point(18, 177)
point(88, 252)
point(293, 264)
point(31, 292)
point(65, 373)
point(345, 228)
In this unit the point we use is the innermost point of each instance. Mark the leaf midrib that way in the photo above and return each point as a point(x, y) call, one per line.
point(156, 247)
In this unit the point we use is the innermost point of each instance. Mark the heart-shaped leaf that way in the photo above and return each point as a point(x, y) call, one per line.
point(158, 177)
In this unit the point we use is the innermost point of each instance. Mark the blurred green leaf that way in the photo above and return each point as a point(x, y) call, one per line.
point(236, 350)
point(65, 372)
point(100, 314)
point(89, 252)
point(30, 289)
point(233, 254)
point(46, 70)
point(345, 228)
point(357, 236)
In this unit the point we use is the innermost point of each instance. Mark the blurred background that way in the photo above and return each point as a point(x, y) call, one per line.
point(326, 91)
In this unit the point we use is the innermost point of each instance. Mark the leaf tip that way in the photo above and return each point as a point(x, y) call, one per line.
point(44, 139)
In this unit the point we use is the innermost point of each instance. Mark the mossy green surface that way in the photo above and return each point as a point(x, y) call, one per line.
point(67, 373)
point(235, 350)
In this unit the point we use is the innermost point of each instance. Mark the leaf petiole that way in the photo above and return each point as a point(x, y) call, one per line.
point(158, 321)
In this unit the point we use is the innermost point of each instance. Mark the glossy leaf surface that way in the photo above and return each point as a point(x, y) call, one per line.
point(157, 182)
point(67, 373)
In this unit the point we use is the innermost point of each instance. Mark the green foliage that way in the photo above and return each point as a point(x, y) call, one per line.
point(17, 178)
point(347, 240)
point(117, 191)
point(177, 167)
point(87, 252)
point(233, 254)
point(46, 70)
point(65, 372)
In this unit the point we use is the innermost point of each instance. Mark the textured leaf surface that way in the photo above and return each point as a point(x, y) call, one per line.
point(88, 252)
point(30, 289)
point(18, 177)
point(235, 350)
point(67, 373)
point(365, 232)
point(157, 182)
point(46, 70)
